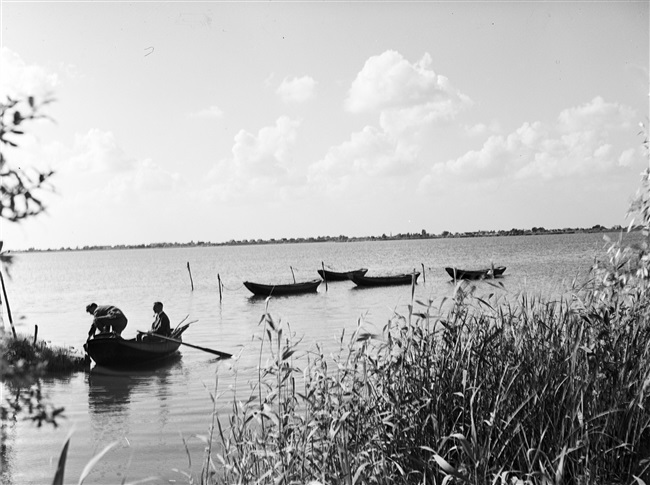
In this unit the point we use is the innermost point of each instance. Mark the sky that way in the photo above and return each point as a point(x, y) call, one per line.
point(214, 121)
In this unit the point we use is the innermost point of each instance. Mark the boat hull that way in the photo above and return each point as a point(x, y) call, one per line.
point(340, 275)
point(393, 280)
point(259, 289)
point(113, 351)
point(479, 274)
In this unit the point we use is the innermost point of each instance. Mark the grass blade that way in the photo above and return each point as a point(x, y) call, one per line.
point(60, 468)
point(95, 459)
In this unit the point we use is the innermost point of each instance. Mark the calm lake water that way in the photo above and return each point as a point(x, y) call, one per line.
point(153, 414)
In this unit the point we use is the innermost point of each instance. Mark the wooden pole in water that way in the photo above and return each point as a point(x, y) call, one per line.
point(424, 276)
point(413, 283)
point(4, 292)
point(219, 279)
point(294, 276)
point(190, 272)
point(35, 335)
point(323, 266)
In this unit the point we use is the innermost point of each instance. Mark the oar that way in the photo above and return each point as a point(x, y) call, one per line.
point(223, 355)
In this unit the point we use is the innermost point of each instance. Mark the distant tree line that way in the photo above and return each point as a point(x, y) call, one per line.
point(342, 238)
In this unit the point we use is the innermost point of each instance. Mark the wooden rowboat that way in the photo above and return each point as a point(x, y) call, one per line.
point(328, 275)
point(284, 289)
point(401, 279)
point(110, 350)
point(497, 271)
point(479, 274)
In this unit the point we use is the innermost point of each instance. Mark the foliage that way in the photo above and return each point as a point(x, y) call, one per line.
point(25, 360)
point(19, 189)
point(20, 199)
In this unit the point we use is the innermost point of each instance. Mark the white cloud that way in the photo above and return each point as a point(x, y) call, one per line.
point(211, 112)
point(97, 151)
point(481, 129)
point(596, 114)
point(151, 177)
point(297, 90)
point(96, 172)
point(581, 143)
point(369, 151)
point(21, 79)
point(388, 81)
point(408, 99)
point(371, 163)
point(628, 157)
point(270, 149)
point(261, 163)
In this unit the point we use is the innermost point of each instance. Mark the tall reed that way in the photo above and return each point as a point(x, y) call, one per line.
point(475, 390)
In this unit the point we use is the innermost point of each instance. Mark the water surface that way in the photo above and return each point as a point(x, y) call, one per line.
point(159, 416)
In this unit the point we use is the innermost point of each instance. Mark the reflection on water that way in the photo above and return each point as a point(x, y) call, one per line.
point(7, 452)
point(111, 395)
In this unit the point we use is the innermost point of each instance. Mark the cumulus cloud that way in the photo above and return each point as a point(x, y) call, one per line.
point(211, 112)
point(390, 82)
point(596, 115)
point(628, 157)
point(96, 171)
point(97, 151)
point(297, 90)
point(581, 142)
point(269, 150)
point(408, 98)
point(149, 176)
point(371, 152)
point(482, 129)
point(22, 79)
point(261, 162)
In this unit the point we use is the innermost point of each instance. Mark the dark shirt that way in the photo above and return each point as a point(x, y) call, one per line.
point(107, 318)
point(161, 325)
point(107, 312)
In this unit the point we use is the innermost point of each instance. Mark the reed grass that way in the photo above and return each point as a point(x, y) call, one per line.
point(41, 355)
point(471, 390)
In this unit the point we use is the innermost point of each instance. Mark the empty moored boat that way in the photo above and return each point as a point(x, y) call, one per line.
point(475, 274)
point(390, 280)
point(329, 275)
point(283, 289)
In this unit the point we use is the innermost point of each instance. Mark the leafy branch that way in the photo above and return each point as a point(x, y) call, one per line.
point(19, 190)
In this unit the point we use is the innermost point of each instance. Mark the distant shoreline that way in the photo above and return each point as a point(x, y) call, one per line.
point(535, 231)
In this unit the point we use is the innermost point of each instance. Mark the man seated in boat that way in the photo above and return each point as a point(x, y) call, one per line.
point(107, 318)
point(160, 325)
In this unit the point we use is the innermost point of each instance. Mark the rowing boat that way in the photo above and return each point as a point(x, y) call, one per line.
point(390, 280)
point(111, 350)
point(478, 274)
point(328, 275)
point(260, 289)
